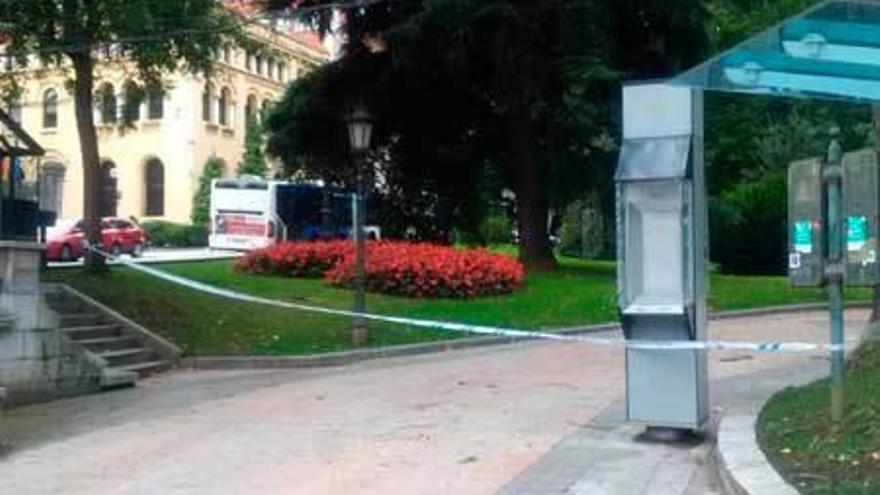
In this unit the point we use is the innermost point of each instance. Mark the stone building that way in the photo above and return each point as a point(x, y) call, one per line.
point(151, 171)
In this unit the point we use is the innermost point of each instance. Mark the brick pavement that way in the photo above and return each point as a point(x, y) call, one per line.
point(465, 422)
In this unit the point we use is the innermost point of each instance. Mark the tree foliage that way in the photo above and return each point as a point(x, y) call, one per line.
point(463, 88)
point(254, 160)
point(150, 37)
point(201, 212)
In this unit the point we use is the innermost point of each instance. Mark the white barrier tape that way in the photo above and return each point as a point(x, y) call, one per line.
point(768, 347)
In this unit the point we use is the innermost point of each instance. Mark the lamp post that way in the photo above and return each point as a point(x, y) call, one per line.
point(360, 131)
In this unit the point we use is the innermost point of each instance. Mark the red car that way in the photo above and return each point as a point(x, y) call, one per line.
point(118, 236)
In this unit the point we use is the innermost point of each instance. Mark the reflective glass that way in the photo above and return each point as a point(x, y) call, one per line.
point(831, 51)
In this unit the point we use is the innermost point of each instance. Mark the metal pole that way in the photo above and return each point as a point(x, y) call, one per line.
point(834, 271)
point(359, 330)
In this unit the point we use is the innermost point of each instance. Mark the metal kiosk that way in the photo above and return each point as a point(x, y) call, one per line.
point(662, 251)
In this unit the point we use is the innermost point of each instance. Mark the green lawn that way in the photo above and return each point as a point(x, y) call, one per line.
point(796, 433)
point(580, 293)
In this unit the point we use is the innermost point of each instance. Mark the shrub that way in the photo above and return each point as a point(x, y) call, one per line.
point(496, 229)
point(398, 268)
point(583, 229)
point(295, 259)
point(167, 234)
point(748, 226)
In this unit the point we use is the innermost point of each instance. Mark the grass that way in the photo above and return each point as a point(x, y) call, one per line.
point(579, 293)
point(797, 434)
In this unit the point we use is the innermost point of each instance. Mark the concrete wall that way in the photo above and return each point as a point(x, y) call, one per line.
point(36, 364)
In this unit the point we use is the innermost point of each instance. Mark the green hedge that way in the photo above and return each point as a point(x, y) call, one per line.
point(167, 234)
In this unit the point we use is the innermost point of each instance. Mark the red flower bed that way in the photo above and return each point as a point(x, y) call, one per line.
point(295, 259)
point(427, 270)
point(399, 268)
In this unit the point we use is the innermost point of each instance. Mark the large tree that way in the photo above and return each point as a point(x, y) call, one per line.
point(149, 37)
point(523, 86)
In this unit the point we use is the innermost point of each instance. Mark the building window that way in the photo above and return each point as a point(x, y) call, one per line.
point(107, 103)
point(155, 104)
point(270, 68)
point(108, 194)
point(155, 188)
point(223, 106)
point(249, 61)
point(52, 187)
point(259, 65)
point(250, 108)
point(50, 109)
point(14, 108)
point(131, 104)
point(207, 96)
point(227, 54)
point(282, 71)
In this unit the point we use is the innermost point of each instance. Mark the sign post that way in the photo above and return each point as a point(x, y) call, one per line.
point(833, 176)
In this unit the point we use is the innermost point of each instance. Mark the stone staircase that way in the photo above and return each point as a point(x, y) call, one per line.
point(123, 350)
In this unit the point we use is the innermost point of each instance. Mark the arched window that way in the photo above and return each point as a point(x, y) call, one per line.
point(14, 108)
point(131, 103)
point(223, 106)
point(107, 103)
point(207, 96)
point(155, 188)
point(52, 186)
point(109, 194)
point(155, 103)
point(50, 109)
point(250, 109)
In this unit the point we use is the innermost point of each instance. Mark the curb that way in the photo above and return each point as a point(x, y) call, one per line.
point(344, 358)
point(742, 466)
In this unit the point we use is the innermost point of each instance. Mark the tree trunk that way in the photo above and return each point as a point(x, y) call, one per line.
point(530, 184)
point(83, 66)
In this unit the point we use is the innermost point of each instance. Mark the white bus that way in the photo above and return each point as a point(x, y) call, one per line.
point(251, 213)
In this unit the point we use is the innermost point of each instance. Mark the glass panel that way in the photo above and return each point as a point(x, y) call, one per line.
point(831, 51)
point(653, 159)
point(860, 204)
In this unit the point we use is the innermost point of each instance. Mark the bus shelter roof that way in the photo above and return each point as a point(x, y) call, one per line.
point(14, 140)
point(830, 51)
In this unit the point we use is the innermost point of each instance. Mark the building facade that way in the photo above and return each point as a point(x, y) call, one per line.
point(150, 170)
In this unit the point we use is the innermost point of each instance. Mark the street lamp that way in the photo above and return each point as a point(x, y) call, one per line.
point(360, 132)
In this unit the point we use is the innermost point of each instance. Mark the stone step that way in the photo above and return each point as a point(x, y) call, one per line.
point(103, 344)
point(92, 332)
point(67, 307)
point(143, 369)
point(124, 357)
point(80, 319)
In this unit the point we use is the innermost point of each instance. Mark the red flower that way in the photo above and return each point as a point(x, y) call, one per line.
point(400, 268)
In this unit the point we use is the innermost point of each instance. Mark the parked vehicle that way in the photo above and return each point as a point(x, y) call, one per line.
point(118, 236)
point(251, 213)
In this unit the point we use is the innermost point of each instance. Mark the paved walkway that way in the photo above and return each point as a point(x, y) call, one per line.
point(467, 422)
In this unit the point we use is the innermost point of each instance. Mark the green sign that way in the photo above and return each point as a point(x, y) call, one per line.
point(803, 236)
point(856, 233)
